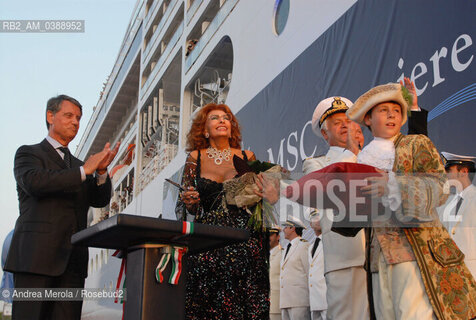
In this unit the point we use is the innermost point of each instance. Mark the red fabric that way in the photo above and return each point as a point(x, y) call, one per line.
point(311, 188)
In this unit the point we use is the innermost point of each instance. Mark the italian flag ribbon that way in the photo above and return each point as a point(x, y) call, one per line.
point(187, 227)
point(121, 278)
point(177, 265)
point(164, 260)
point(177, 254)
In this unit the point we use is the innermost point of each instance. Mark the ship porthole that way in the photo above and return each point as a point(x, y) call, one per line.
point(280, 15)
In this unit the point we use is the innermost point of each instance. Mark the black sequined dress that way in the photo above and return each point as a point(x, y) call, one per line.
point(230, 282)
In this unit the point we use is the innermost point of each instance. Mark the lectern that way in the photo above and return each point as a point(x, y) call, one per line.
point(144, 240)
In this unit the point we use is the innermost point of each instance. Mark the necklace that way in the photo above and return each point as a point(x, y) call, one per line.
point(218, 156)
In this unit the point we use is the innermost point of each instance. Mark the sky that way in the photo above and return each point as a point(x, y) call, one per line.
point(37, 66)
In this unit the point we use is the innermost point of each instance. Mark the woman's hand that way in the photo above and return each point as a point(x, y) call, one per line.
point(268, 188)
point(190, 197)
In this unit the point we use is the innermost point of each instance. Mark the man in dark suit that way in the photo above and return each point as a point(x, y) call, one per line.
point(55, 191)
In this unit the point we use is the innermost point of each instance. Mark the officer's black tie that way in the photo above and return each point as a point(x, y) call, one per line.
point(316, 243)
point(287, 250)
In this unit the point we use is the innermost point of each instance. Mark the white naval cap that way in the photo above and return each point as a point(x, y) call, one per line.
point(326, 108)
point(450, 159)
point(274, 228)
point(294, 222)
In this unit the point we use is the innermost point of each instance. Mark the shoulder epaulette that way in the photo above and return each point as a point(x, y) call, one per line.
point(303, 240)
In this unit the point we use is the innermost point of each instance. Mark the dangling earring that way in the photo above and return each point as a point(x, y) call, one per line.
point(207, 135)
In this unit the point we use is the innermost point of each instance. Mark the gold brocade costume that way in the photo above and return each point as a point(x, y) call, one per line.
point(449, 284)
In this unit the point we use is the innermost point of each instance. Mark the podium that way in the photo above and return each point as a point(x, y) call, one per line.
point(143, 241)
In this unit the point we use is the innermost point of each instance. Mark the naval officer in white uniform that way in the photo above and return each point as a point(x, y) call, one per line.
point(344, 257)
point(458, 214)
point(275, 256)
point(294, 292)
point(317, 282)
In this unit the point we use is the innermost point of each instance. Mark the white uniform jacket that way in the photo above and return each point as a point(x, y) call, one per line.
point(275, 256)
point(463, 232)
point(340, 252)
point(317, 282)
point(294, 274)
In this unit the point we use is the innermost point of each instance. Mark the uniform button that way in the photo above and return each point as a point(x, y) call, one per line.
point(310, 285)
point(282, 287)
point(312, 265)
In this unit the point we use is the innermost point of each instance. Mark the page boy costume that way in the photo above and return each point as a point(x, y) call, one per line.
point(415, 190)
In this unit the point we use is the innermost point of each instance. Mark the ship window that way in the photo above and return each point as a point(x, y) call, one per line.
point(280, 17)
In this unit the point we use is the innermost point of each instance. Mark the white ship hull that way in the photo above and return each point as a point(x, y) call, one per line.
point(271, 62)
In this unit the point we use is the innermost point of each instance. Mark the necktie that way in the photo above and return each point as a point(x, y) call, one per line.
point(458, 204)
point(287, 250)
point(67, 156)
point(316, 243)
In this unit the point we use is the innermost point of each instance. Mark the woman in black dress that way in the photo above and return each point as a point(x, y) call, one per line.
point(231, 282)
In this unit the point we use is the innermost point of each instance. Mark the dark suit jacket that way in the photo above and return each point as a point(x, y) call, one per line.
point(53, 205)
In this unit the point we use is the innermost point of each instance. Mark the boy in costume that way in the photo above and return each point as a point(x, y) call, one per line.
point(418, 272)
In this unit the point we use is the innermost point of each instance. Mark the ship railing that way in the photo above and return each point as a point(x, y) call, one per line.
point(217, 21)
point(162, 158)
point(122, 73)
point(101, 114)
point(149, 18)
point(173, 41)
point(102, 106)
point(125, 141)
point(158, 31)
point(192, 10)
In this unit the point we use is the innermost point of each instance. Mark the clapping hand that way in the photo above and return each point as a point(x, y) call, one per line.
point(102, 166)
point(100, 161)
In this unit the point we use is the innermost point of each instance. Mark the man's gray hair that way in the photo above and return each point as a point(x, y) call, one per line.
point(324, 125)
point(54, 105)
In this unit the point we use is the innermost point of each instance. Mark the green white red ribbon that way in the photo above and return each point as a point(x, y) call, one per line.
point(122, 273)
point(177, 254)
point(164, 260)
point(187, 227)
point(177, 265)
